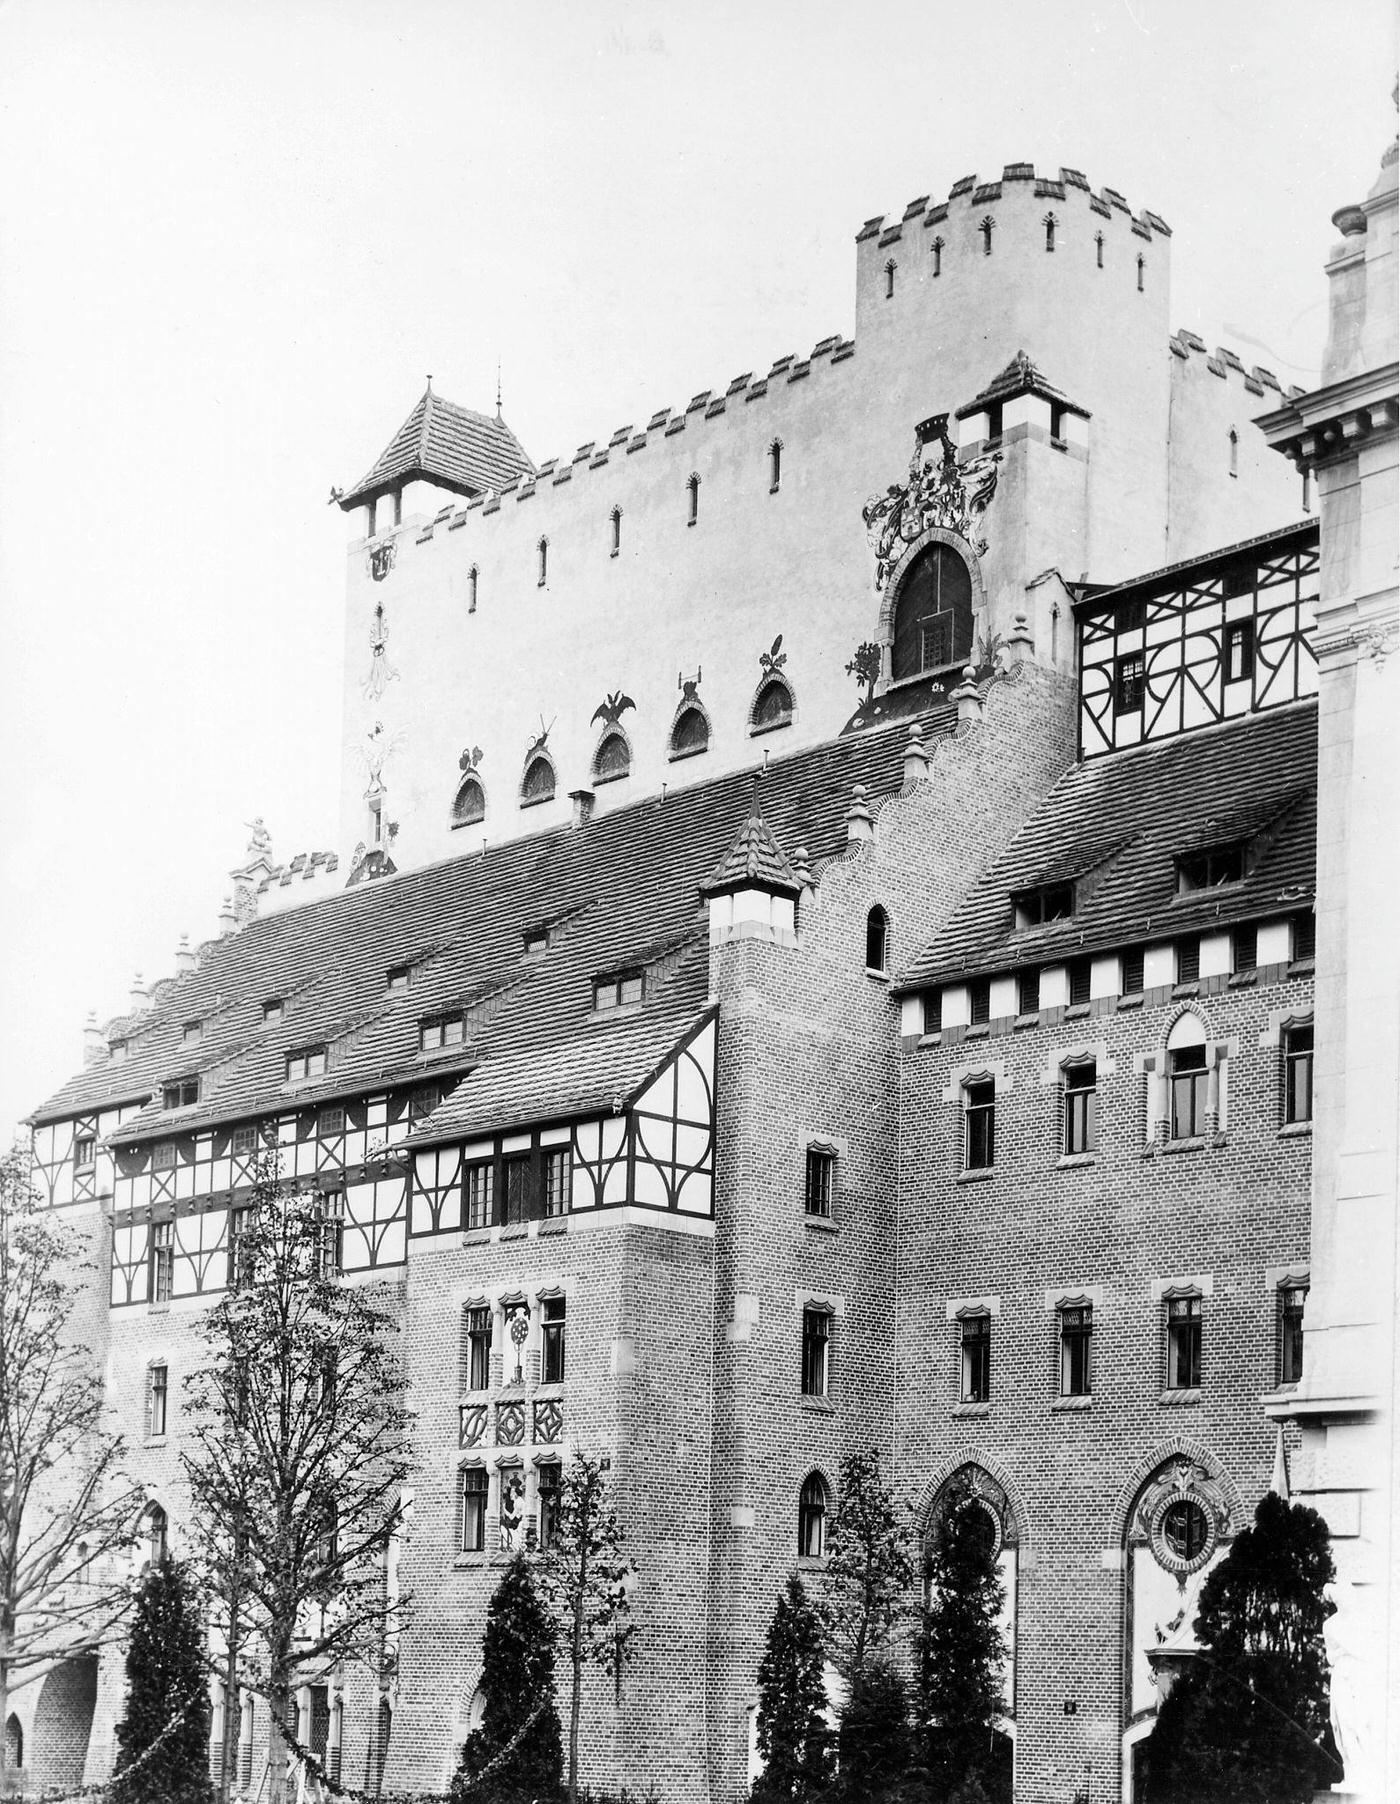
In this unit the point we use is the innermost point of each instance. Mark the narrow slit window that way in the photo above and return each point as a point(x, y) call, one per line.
point(552, 1341)
point(558, 1181)
point(1239, 651)
point(775, 466)
point(1076, 1343)
point(160, 1280)
point(471, 590)
point(1234, 436)
point(474, 1489)
point(975, 1345)
point(692, 489)
point(157, 1396)
point(543, 576)
point(548, 1493)
point(1304, 937)
point(986, 230)
point(938, 256)
point(1142, 274)
point(615, 528)
point(889, 279)
point(1098, 247)
point(816, 1352)
point(1049, 231)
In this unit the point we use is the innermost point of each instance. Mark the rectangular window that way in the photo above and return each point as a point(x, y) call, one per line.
point(552, 1341)
point(816, 1352)
point(330, 1122)
point(1129, 675)
point(1052, 902)
point(182, 1094)
point(1132, 972)
point(477, 1190)
point(1028, 992)
point(558, 1173)
point(1076, 1340)
point(1081, 1107)
point(85, 1152)
point(478, 1361)
point(161, 1275)
point(238, 1223)
point(245, 1141)
point(272, 1009)
point(617, 992)
point(933, 1011)
point(1239, 650)
point(548, 1494)
point(163, 1155)
point(1130, 616)
point(397, 976)
point(306, 1062)
point(1244, 948)
point(979, 993)
point(821, 1175)
point(1298, 1072)
point(980, 1108)
point(1183, 1332)
point(1211, 868)
point(975, 1341)
point(330, 1223)
point(1080, 981)
point(474, 1487)
point(440, 1031)
point(1304, 937)
point(1288, 1339)
point(1188, 960)
point(1187, 1078)
point(515, 1178)
point(157, 1394)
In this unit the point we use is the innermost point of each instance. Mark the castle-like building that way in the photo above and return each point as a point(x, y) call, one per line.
point(866, 926)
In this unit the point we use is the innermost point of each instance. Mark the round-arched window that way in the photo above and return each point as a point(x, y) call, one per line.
point(690, 734)
point(772, 706)
point(811, 1518)
point(933, 616)
point(877, 940)
point(539, 781)
point(470, 804)
point(612, 759)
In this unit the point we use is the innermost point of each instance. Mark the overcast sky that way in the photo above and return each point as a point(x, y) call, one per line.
point(234, 238)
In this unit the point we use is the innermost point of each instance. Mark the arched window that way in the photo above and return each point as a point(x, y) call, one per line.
point(889, 279)
point(811, 1518)
point(937, 248)
point(933, 616)
point(986, 230)
point(14, 1742)
point(469, 805)
point(538, 785)
point(775, 466)
point(613, 758)
point(156, 1533)
point(1049, 231)
point(471, 590)
point(544, 562)
point(615, 519)
point(772, 706)
point(691, 733)
point(692, 489)
point(877, 940)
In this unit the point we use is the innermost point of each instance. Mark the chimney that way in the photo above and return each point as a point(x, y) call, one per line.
point(94, 1041)
point(228, 920)
point(915, 758)
point(184, 957)
point(860, 823)
point(583, 801)
point(140, 996)
point(968, 700)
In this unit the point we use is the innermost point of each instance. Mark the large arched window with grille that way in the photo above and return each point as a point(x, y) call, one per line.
point(933, 615)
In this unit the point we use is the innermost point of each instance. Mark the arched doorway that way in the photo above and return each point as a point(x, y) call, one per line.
point(62, 1725)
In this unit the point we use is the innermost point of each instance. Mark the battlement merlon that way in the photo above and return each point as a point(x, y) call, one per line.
point(1016, 181)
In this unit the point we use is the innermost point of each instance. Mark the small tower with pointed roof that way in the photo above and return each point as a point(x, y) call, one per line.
point(753, 890)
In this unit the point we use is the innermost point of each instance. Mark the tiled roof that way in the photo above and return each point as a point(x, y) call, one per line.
point(1116, 826)
point(1020, 377)
point(754, 859)
point(622, 890)
point(453, 446)
point(1091, 597)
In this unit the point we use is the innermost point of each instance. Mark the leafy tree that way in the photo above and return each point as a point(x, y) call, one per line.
point(875, 1749)
point(870, 1568)
point(793, 1735)
point(1248, 1720)
point(517, 1751)
point(163, 1738)
point(65, 1506)
point(586, 1579)
point(960, 1649)
point(297, 1455)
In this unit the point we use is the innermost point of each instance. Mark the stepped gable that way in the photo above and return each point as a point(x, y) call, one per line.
point(754, 861)
point(625, 889)
point(449, 445)
point(1120, 822)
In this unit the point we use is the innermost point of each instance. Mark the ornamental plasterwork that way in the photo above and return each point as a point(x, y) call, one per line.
point(944, 493)
point(472, 1429)
point(510, 1424)
point(972, 1484)
point(1164, 1507)
point(549, 1422)
point(381, 560)
point(381, 673)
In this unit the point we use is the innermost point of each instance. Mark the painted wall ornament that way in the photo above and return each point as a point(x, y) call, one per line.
point(937, 493)
point(690, 686)
point(381, 673)
point(865, 668)
point(471, 757)
point(612, 708)
point(381, 560)
point(772, 661)
point(541, 742)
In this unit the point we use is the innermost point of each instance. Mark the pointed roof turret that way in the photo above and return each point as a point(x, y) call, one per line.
point(754, 861)
point(1020, 377)
point(452, 446)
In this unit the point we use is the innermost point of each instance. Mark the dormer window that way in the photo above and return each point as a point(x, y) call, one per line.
point(536, 940)
point(183, 1093)
point(397, 977)
point(116, 1052)
point(1210, 868)
point(192, 1033)
point(272, 1009)
point(306, 1062)
point(1051, 902)
point(439, 1031)
point(620, 991)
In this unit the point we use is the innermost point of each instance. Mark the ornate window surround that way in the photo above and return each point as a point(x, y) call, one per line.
point(884, 629)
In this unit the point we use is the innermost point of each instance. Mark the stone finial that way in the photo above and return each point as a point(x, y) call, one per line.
point(184, 957)
point(140, 995)
point(94, 1041)
point(228, 920)
point(915, 758)
point(967, 697)
point(802, 867)
point(860, 822)
point(1019, 646)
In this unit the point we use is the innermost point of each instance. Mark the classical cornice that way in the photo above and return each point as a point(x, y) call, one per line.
point(1329, 423)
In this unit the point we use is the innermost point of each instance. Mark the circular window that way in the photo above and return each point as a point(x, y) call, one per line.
point(1183, 1533)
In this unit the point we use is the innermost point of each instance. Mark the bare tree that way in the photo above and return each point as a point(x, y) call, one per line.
point(587, 1580)
point(65, 1506)
point(299, 1448)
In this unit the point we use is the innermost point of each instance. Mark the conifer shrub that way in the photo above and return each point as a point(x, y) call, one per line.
point(163, 1737)
point(793, 1735)
point(517, 1682)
